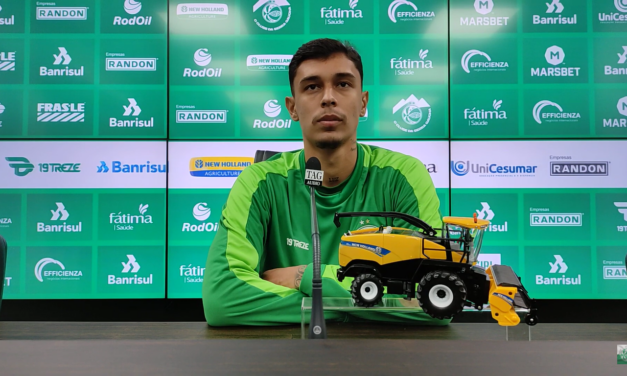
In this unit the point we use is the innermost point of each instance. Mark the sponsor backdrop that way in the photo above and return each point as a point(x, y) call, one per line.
point(125, 123)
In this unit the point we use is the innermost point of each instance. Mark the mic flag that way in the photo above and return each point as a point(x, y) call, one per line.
point(313, 172)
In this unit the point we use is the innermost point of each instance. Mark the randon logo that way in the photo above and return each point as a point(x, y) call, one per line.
point(201, 211)
point(555, 6)
point(485, 212)
point(559, 266)
point(468, 55)
point(484, 6)
point(554, 55)
point(131, 265)
point(62, 58)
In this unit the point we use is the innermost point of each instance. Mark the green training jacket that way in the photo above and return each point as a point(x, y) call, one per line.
point(266, 224)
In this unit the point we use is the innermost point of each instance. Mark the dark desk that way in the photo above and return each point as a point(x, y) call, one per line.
point(58, 348)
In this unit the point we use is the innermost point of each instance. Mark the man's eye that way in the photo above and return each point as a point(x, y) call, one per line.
point(312, 86)
point(344, 84)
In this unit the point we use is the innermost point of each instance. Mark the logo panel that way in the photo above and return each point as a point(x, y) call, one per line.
point(62, 16)
point(131, 271)
point(551, 113)
point(483, 16)
point(555, 60)
point(267, 117)
point(564, 216)
point(611, 214)
point(481, 62)
point(554, 16)
point(202, 63)
point(62, 217)
point(61, 113)
point(342, 16)
point(133, 17)
point(413, 17)
point(132, 113)
point(557, 272)
point(484, 113)
point(611, 112)
point(11, 111)
point(129, 62)
point(194, 114)
point(500, 209)
point(131, 217)
point(425, 63)
point(416, 114)
point(11, 217)
point(58, 271)
point(195, 217)
point(209, 18)
point(63, 62)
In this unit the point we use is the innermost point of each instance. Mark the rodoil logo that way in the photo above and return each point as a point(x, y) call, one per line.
point(272, 110)
point(201, 212)
point(55, 271)
point(131, 266)
point(7, 61)
point(337, 16)
point(559, 266)
point(59, 215)
point(62, 58)
point(202, 58)
point(404, 10)
point(133, 111)
point(132, 7)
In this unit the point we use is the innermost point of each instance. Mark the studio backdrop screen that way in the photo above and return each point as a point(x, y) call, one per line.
point(124, 124)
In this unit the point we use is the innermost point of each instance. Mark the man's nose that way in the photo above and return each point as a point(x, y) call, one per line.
point(328, 98)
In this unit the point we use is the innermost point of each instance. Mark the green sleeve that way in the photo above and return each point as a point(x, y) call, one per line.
point(233, 292)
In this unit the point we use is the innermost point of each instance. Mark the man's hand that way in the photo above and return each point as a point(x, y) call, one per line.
point(288, 277)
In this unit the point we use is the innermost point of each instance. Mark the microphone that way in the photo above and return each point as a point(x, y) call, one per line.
point(317, 325)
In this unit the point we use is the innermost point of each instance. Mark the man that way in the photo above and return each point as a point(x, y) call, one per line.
point(259, 266)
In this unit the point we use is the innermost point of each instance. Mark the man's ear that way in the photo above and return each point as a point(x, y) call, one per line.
point(291, 108)
point(364, 103)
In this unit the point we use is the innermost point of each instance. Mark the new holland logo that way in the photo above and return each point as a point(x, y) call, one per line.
point(268, 62)
point(202, 58)
point(55, 275)
point(551, 116)
point(608, 70)
point(116, 61)
point(201, 213)
point(483, 7)
point(408, 12)
point(409, 67)
point(557, 8)
point(618, 122)
point(542, 217)
point(8, 21)
point(614, 270)
point(60, 214)
point(558, 267)
point(272, 109)
point(54, 13)
point(483, 117)
point(555, 56)
point(62, 58)
point(275, 14)
point(482, 66)
point(132, 110)
point(338, 16)
point(189, 114)
point(132, 7)
point(125, 221)
point(580, 168)
point(615, 18)
point(202, 11)
point(130, 266)
point(61, 112)
point(415, 113)
point(7, 61)
point(222, 167)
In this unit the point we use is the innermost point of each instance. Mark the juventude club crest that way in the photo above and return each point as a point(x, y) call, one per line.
point(272, 15)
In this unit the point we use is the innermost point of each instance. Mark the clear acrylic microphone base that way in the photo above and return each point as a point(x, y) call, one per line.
point(520, 332)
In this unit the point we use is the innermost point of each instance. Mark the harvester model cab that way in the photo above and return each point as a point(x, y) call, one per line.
point(437, 266)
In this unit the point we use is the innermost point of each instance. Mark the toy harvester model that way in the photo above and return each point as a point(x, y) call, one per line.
point(444, 268)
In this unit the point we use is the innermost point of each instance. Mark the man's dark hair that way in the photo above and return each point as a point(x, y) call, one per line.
point(323, 48)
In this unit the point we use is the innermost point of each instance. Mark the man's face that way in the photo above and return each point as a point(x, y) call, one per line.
point(328, 101)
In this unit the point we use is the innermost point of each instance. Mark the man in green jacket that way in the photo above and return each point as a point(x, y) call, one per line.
point(259, 266)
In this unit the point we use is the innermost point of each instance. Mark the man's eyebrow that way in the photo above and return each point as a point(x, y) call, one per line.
point(337, 75)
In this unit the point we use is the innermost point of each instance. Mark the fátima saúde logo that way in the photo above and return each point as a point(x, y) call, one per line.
point(412, 114)
point(408, 67)
point(404, 10)
point(621, 106)
point(188, 114)
point(201, 212)
point(463, 168)
point(202, 58)
point(476, 116)
point(128, 221)
point(131, 117)
point(132, 8)
point(129, 271)
point(202, 11)
point(338, 16)
point(552, 112)
point(49, 269)
point(557, 274)
point(228, 167)
point(272, 15)
point(483, 62)
point(192, 274)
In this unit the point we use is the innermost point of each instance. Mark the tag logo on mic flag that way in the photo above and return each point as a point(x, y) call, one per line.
point(314, 177)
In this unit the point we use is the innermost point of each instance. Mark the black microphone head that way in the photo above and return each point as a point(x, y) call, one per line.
point(313, 163)
point(313, 172)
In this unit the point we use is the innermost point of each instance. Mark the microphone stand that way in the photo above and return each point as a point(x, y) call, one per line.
point(317, 325)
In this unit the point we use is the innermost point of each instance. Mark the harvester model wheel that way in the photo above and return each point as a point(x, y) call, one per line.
point(367, 290)
point(441, 294)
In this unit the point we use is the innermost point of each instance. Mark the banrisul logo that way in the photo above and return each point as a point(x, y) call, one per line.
point(202, 11)
point(118, 62)
point(408, 66)
point(59, 221)
point(202, 222)
point(412, 114)
point(132, 8)
point(484, 8)
point(21, 166)
point(479, 61)
point(618, 122)
point(272, 109)
point(619, 17)
point(463, 168)
point(7, 61)
point(619, 70)
point(487, 214)
point(61, 112)
point(555, 15)
point(272, 15)
point(221, 167)
point(119, 167)
point(338, 16)
point(130, 117)
point(272, 63)
point(557, 274)
point(202, 58)
point(62, 62)
point(48, 11)
point(476, 116)
point(404, 11)
point(189, 114)
point(543, 217)
point(550, 112)
point(555, 56)
point(129, 221)
point(49, 269)
point(6, 19)
point(129, 274)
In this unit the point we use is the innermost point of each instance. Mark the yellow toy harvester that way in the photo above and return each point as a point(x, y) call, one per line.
point(444, 268)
